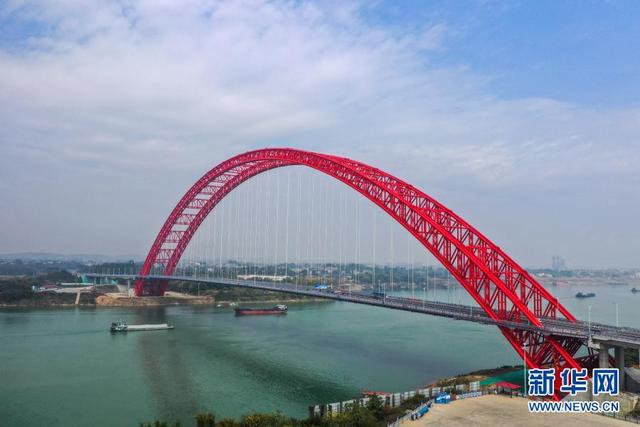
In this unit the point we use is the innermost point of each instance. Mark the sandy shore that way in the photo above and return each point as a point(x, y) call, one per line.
point(171, 298)
point(502, 411)
point(175, 298)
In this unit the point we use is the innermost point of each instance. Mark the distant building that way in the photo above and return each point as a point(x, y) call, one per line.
point(558, 263)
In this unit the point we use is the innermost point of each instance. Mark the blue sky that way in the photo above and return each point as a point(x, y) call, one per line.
point(522, 116)
point(578, 51)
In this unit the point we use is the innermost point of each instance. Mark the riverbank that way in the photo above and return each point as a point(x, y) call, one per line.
point(511, 373)
point(171, 298)
point(30, 292)
point(52, 300)
point(177, 298)
point(115, 299)
point(502, 411)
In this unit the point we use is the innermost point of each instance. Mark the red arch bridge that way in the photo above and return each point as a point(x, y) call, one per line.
point(540, 329)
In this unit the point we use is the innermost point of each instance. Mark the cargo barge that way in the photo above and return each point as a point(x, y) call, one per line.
point(585, 295)
point(278, 309)
point(121, 326)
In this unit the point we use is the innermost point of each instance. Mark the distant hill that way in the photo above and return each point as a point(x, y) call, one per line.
point(52, 256)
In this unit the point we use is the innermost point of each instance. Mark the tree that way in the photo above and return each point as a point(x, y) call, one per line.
point(266, 420)
point(354, 416)
point(227, 422)
point(159, 424)
point(376, 407)
point(206, 420)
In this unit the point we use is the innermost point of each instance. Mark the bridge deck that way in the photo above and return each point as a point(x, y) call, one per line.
point(624, 336)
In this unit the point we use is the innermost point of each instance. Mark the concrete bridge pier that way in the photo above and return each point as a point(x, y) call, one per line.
point(619, 355)
point(603, 356)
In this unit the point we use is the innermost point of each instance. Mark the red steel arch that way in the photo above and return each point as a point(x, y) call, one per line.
point(497, 283)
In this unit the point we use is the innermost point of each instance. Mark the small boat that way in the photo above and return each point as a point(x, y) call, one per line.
point(122, 326)
point(585, 295)
point(634, 290)
point(278, 309)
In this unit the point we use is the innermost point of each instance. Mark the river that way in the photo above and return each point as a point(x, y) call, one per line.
point(61, 367)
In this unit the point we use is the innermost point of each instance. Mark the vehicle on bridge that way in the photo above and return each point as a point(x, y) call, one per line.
point(378, 294)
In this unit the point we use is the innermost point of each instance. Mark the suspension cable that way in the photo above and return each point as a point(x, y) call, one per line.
point(286, 223)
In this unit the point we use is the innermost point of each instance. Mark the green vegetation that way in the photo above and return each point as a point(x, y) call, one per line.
point(18, 267)
point(19, 291)
point(374, 414)
point(493, 371)
point(13, 290)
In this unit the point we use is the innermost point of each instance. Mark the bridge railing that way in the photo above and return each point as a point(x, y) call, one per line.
point(410, 415)
point(629, 418)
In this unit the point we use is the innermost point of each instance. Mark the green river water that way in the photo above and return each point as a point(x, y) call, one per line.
point(61, 367)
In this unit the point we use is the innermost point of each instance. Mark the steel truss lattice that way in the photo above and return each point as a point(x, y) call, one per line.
point(498, 284)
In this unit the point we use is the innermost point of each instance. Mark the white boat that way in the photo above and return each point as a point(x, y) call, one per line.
point(122, 326)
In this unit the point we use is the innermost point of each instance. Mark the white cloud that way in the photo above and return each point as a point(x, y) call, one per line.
point(135, 88)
